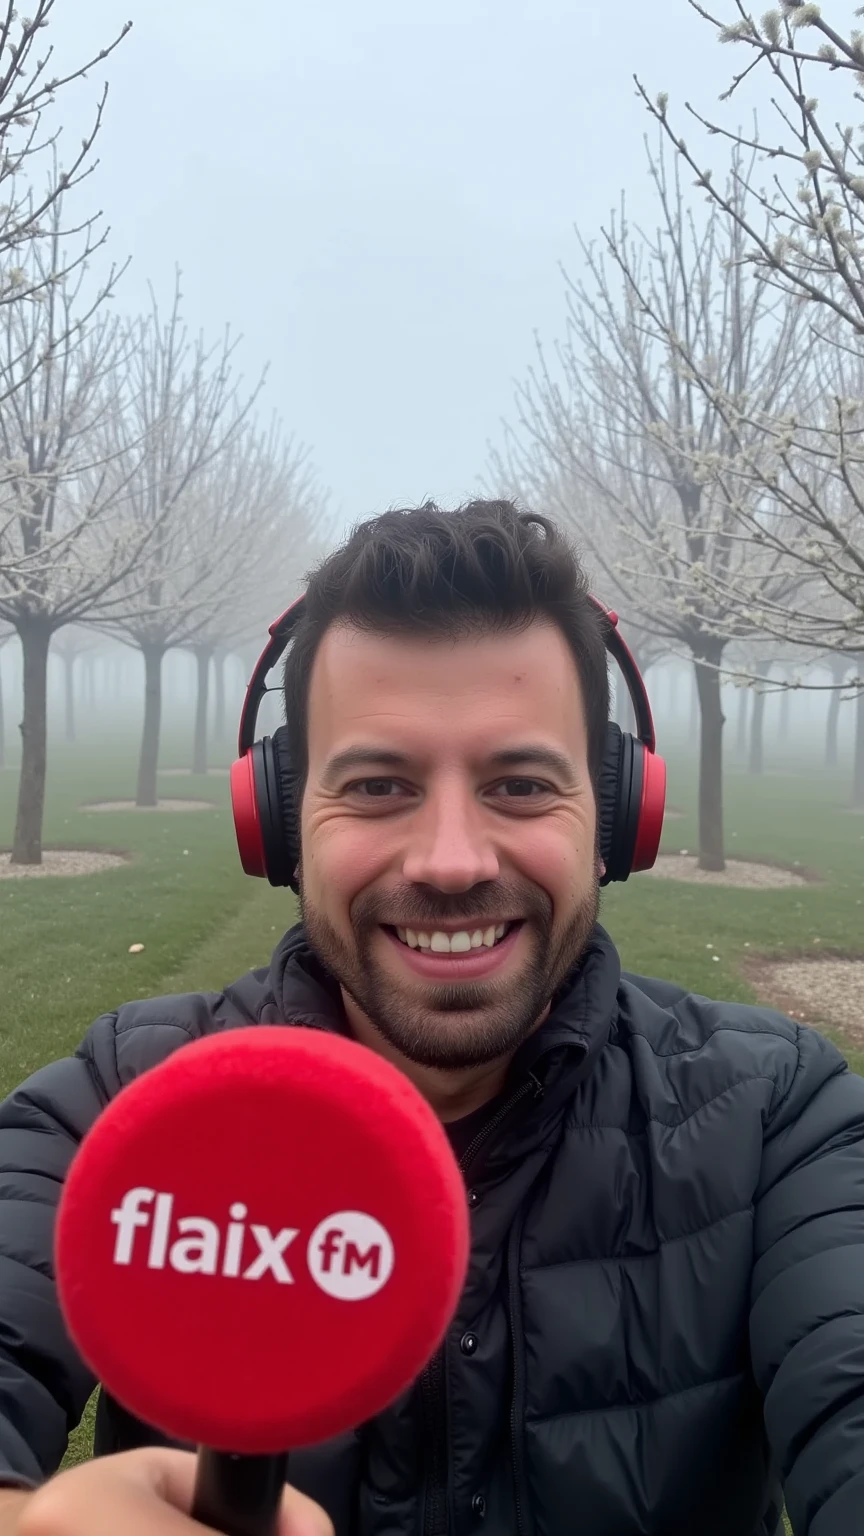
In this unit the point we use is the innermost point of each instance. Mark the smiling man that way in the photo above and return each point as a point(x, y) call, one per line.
point(663, 1322)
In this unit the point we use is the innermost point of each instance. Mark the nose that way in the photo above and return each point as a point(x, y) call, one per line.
point(450, 846)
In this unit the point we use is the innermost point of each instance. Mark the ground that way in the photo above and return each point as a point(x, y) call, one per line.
point(181, 894)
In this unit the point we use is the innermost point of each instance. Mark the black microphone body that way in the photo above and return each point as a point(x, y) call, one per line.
point(239, 1495)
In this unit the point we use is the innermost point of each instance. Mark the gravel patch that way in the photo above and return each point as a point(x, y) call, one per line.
point(738, 872)
point(164, 805)
point(827, 992)
point(61, 861)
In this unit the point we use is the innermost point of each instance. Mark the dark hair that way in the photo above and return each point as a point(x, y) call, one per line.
point(482, 567)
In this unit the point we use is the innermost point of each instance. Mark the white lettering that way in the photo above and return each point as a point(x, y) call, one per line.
point(270, 1254)
point(127, 1218)
point(161, 1228)
point(197, 1254)
point(234, 1240)
point(349, 1255)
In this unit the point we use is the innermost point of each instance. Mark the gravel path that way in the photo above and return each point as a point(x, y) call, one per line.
point(738, 872)
point(61, 861)
point(829, 991)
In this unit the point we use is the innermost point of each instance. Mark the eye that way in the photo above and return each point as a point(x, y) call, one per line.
point(375, 789)
point(522, 789)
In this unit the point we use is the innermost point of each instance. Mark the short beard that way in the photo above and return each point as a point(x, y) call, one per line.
point(461, 1024)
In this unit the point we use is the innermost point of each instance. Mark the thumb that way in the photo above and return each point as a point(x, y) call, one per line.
point(300, 1516)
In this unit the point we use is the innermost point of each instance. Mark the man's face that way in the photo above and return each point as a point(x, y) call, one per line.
point(449, 878)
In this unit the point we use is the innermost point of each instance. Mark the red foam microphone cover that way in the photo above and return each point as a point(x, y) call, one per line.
point(261, 1241)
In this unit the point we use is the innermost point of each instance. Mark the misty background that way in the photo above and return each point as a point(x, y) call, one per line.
point(377, 197)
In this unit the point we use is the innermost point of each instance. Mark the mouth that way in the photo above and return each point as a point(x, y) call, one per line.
point(470, 952)
point(459, 942)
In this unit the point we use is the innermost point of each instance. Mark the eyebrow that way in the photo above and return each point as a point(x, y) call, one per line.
point(527, 755)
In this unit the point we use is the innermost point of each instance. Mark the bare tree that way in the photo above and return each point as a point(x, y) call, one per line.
point(29, 148)
point(6, 633)
point(839, 667)
point(63, 550)
point(68, 644)
point(272, 511)
point(188, 410)
point(802, 234)
point(620, 442)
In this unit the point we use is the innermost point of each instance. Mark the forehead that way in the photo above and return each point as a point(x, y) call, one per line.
point(432, 693)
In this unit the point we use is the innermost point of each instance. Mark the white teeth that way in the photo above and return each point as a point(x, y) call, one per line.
point(452, 943)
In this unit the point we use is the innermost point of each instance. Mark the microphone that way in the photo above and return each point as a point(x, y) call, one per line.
point(259, 1245)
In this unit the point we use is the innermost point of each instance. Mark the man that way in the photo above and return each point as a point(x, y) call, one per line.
point(663, 1320)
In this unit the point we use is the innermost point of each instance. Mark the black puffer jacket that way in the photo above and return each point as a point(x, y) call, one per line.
point(664, 1316)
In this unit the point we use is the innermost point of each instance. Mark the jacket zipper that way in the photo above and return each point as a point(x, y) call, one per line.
point(516, 1433)
point(432, 1386)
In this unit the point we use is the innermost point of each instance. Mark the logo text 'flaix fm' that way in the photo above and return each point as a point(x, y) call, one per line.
point(349, 1255)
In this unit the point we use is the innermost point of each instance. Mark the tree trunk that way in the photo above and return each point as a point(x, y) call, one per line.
point(219, 659)
point(858, 759)
point(831, 729)
point(35, 636)
point(710, 762)
point(741, 726)
point(756, 762)
point(149, 761)
point(69, 663)
point(694, 705)
point(199, 747)
point(783, 727)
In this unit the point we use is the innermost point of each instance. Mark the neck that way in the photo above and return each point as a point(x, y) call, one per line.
point(452, 1092)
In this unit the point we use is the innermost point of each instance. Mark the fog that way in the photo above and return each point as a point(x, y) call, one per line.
point(377, 197)
point(107, 705)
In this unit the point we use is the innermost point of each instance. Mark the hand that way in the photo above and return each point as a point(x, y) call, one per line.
point(138, 1493)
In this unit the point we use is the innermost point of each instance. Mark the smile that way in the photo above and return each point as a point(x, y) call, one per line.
point(469, 954)
point(457, 943)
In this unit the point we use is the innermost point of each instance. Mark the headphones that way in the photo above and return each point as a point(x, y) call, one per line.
point(264, 788)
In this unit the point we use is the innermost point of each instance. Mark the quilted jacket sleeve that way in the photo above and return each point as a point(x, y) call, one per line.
point(807, 1319)
point(43, 1384)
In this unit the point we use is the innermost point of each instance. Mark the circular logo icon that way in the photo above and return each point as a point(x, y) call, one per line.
point(350, 1255)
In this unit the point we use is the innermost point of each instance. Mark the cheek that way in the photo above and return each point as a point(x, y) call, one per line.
point(557, 856)
point(341, 856)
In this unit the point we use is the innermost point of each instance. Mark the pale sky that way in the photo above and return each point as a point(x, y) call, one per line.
point(378, 196)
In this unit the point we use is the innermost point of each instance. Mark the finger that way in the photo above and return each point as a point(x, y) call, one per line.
point(300, 1516)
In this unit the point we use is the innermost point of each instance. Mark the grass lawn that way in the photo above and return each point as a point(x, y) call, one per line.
point(64, 942)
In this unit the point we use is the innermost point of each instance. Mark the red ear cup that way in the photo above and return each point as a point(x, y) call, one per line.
point(651, 811)
point(247, 822)
point(631, 800)
point(264, 803)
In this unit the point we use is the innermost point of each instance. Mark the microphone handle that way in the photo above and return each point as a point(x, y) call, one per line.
point(239, 1495)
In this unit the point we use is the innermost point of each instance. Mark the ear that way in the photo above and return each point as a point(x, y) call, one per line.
point(600, 867)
